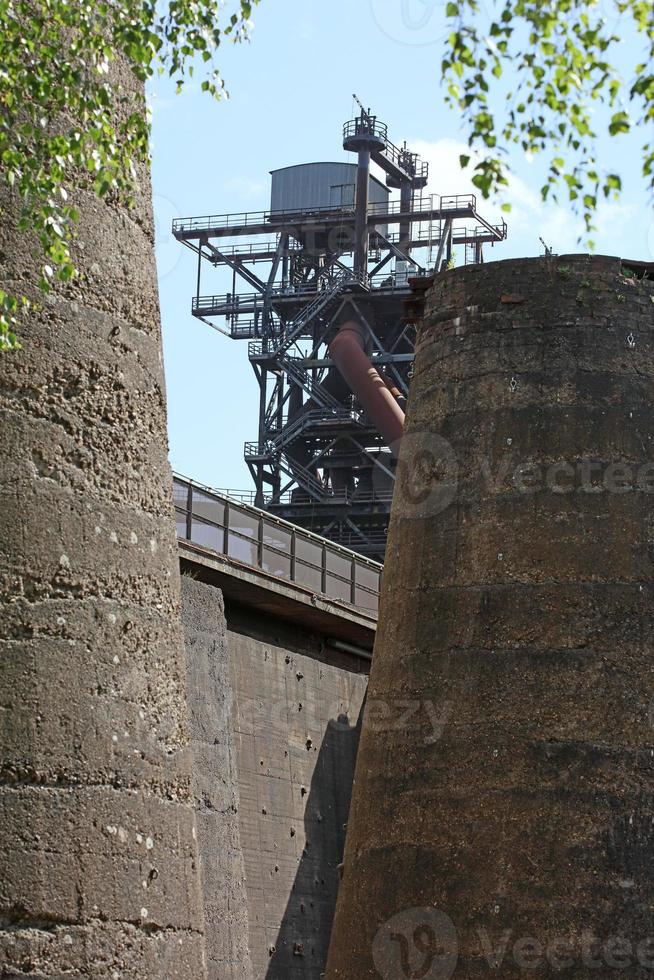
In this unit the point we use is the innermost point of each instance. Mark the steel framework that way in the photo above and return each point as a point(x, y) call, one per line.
point(318, 460)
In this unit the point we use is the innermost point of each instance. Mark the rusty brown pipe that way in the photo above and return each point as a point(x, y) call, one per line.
point(347, 350)
point(394, 390)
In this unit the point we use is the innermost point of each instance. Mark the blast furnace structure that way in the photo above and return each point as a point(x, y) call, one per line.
point(335, 249)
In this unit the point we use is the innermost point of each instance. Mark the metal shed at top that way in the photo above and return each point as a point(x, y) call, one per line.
point(319, 185)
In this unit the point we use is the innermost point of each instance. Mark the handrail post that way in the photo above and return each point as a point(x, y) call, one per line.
point(353, 581)
point(260, 543)
point(226, 530)
point(189, 511)
point(293, 554)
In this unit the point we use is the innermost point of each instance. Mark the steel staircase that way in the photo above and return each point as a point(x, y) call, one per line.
point(306, 479)
point(291, 431)
point(314, 389)
point(320, 304)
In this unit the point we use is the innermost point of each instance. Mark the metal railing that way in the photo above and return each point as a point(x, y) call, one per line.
point(314, 489)
point(310, 482)
point(370, 497)
point(407, 161)
point(365, 126)
point(347, 497)
point(253, 537)
point(306, 420)
point(256, 348)
point(324, 298)
point(317, 295)
point(245, 329)
point(264, 251)
point(258, 450)
point(452, 202)
point(246, 219)
point(243, 219)
point(400, 157)
point(231, 302)
point(312, 387)
point(460, 232)
point(256, 250)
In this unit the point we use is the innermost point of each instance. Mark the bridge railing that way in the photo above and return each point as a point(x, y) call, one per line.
point(258, 539)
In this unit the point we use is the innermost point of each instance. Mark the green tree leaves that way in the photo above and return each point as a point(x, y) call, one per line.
point(557, 55)
point(9, 306)
point(65, 118)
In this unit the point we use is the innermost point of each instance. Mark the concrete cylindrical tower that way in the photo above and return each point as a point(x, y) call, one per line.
point(502, 820)
point(98, 858)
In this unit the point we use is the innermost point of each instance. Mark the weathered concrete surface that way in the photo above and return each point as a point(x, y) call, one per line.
point(518, 605)
point(297, 704)
point(98, 870)
point(290, 707)
point(215, 782)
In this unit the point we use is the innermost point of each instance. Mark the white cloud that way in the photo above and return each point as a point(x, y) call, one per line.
point(530, 217)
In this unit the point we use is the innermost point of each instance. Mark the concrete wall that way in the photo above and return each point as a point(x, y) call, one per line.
point(97, 854)
point(517, 605)
point(215, 782)
point(274, 713)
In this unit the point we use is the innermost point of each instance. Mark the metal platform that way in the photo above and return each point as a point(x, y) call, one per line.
point(433, 208)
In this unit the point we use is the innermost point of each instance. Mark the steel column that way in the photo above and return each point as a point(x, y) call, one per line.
point(361, 231)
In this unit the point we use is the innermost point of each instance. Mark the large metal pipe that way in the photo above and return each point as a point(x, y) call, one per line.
point(347, 350)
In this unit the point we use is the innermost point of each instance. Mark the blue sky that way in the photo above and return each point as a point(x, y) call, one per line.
point(291, 90)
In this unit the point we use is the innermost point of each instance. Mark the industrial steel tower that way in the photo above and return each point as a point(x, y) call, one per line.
point(328, 342)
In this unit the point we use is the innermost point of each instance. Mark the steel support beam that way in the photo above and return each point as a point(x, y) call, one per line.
point(361, 233)
point(236, 265)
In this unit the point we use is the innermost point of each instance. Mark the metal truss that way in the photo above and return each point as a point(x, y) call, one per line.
point(318, 460)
